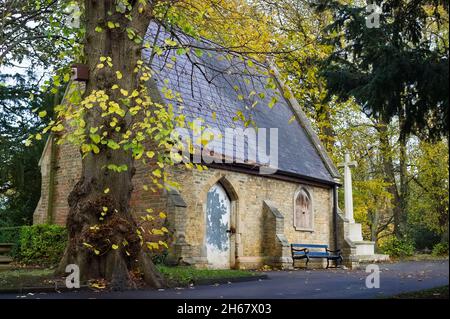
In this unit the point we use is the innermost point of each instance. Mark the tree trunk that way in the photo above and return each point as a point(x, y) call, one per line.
point(88, 199)
point(389, 176)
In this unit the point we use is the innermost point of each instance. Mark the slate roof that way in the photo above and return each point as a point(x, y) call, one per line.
point(215, 82)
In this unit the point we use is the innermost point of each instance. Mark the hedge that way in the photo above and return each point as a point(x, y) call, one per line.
point(36, 245)
point(11, 235)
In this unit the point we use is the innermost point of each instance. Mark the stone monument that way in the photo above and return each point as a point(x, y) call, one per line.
point(355, 247)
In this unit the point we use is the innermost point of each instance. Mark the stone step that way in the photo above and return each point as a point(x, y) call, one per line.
point(376, 258)
point(364, 248)
point(5, 259)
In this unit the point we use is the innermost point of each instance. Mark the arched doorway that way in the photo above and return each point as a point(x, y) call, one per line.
point(218, 220)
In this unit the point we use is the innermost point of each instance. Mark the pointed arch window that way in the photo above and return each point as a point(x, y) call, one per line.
point(303, 210)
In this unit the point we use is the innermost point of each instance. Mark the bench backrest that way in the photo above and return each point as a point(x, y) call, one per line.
point(299, 246)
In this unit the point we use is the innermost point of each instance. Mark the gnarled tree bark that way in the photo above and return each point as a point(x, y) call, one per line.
point(87, 199)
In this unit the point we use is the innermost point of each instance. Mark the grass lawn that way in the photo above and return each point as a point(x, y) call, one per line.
point(419, 257)
point(435, 293)
point(26, 278)
point(176, 277)
point(183, 276)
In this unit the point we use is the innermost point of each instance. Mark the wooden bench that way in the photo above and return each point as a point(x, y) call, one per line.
point(309, 251)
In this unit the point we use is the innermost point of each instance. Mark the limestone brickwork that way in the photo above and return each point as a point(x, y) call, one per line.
point(262, 236)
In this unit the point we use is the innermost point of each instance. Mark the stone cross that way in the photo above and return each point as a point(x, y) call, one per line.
point(348, 187)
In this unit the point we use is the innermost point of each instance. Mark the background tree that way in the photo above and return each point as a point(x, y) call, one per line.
point(19, 174)
point(405, 78)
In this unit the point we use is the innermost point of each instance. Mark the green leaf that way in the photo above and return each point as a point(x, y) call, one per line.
point(95, 138)
point(113, 145)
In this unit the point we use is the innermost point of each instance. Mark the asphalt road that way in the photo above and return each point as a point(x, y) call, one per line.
point(299, 284)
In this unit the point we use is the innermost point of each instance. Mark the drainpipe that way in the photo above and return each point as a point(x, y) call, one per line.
point(335, 217)
point(51, 182)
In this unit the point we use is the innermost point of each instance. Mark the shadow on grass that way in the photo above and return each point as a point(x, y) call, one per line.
point(435, 293)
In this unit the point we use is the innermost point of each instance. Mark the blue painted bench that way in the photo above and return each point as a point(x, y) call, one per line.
point(309, 251)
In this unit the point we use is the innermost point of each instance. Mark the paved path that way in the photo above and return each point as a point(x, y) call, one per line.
point(298, 284)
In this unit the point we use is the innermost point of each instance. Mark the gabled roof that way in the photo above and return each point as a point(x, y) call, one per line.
point(216, 85)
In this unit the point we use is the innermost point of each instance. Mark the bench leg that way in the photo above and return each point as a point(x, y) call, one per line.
point(307, 261)
point(328, 263)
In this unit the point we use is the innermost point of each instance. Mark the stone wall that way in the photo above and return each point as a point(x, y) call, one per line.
point(247, 192)
point(67, 169)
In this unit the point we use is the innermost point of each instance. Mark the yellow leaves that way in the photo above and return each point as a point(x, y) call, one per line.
point(95, 138)
point(113, 145)
point(42, 114)
point(100, 66)
point(292, 119)
point(124, 92)
point(58, 128)
point(114, 246)
point(96, 251)
point(114, 87)
point(157, 232)
point(162, 243)
point(112, 25)
point(98, 285)
point(272, 102)
point(85, 148)
point(38, 137)
point(145, 77)
point(106, 191)
point(157, 173)
point(95, 149)
point(170, 42)
point(162, 215)
point(152, 245)
point(119, 75)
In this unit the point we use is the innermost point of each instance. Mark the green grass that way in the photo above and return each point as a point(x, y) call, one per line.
point(184, 276)
point(176, 276)
point(419, 257)
point(25, 278)
point(435, 293)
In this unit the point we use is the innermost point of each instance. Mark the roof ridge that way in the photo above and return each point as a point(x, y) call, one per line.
point(305, 123)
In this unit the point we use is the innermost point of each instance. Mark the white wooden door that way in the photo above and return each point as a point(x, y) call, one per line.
point(218, 213)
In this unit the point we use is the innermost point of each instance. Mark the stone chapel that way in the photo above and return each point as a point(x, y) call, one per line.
point(231, 215)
